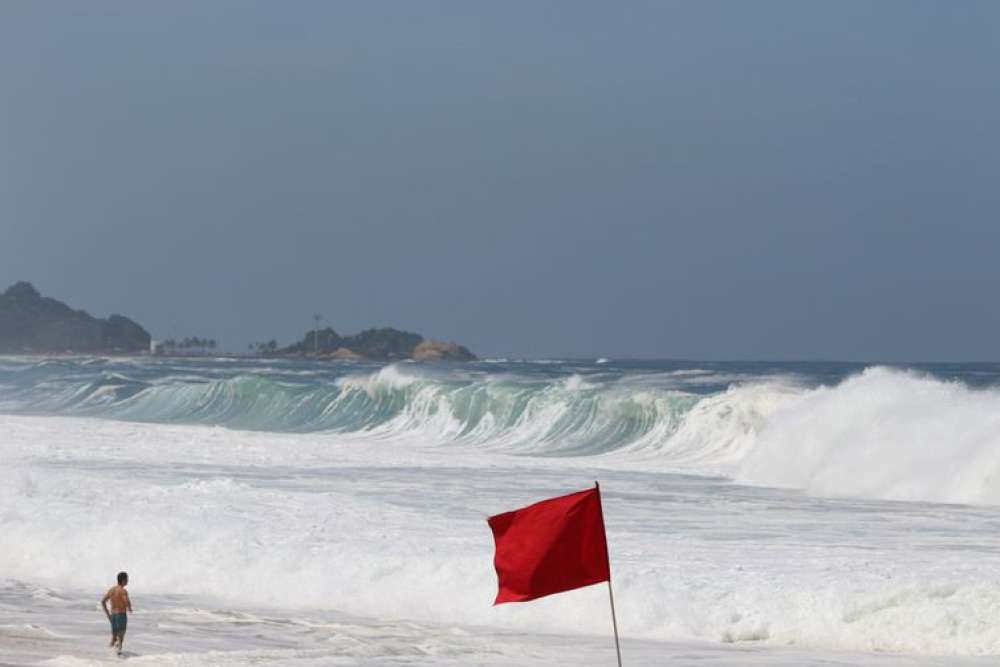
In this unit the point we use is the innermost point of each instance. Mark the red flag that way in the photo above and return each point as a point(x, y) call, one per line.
point(552, 546)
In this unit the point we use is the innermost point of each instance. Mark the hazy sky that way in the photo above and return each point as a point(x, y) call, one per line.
point(666, 179)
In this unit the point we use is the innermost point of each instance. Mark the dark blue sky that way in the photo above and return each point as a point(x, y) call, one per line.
point(701, 179)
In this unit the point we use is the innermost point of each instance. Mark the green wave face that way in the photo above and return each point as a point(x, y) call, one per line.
point(538, 409)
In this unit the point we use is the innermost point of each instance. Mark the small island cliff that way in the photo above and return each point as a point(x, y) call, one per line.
point(33, 324)
point(384, 344)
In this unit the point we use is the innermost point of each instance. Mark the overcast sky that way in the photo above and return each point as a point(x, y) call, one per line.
point(720, 180)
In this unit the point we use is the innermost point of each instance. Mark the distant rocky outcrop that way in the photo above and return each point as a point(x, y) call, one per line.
point(434, 350)
point(384, 344)
point(31, 323)
point(344, 354)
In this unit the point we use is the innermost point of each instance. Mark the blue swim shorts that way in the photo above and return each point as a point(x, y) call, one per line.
point(118, 622)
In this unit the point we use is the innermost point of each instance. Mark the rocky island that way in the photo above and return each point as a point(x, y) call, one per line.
point(32, 324)
point(384, 344)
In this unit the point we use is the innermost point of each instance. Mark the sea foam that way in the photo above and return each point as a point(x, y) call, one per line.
point(883, 434)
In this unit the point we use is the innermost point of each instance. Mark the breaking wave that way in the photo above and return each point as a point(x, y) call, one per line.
point(568, 415)
point(885, 434)
point(880, 433)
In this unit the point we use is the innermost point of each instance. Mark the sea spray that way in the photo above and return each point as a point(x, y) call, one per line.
point(884, 434)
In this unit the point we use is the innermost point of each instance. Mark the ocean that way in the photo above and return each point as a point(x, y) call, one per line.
point(277, 512)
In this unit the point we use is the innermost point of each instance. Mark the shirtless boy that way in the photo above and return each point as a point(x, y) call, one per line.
point(118, 597)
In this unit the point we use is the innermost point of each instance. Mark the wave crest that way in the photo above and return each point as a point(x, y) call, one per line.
point(886, 434)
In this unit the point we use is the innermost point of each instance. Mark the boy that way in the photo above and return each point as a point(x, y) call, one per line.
point(119, 603)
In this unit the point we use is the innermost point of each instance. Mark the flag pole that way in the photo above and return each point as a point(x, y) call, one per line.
point(611, 594)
